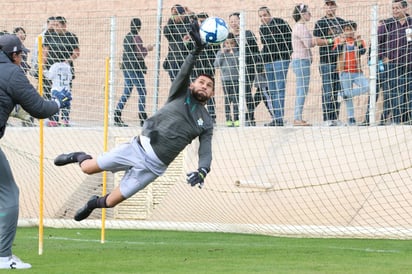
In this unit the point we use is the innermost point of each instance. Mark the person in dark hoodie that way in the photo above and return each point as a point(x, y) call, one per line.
point(15, 88)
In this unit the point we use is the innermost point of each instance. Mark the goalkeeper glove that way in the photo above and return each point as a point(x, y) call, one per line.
point(62, 98)
point(197, 177)
point(195, 35)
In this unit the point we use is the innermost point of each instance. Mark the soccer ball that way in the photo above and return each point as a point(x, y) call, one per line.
point(214, 30)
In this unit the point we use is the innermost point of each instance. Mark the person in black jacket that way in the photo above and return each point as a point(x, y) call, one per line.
point(134, 68)
point(15, 88)
point(276, 38)
point(327, 28)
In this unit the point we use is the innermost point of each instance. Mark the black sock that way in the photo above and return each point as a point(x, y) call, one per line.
point(98, 203)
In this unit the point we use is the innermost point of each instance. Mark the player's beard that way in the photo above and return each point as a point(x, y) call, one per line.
point(201, 96)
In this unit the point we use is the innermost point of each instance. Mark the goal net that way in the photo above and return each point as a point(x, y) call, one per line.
point(337, 177)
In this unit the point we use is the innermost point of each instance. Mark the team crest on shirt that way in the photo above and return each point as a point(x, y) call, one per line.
point(200, 122)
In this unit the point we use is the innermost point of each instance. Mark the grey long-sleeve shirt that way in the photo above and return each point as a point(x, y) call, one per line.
point(228, 63)
point(180, 121)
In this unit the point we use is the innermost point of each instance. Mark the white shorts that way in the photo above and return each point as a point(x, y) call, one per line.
point(139, 162)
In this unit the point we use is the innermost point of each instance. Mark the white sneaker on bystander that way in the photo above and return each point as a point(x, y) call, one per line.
point(13, 262)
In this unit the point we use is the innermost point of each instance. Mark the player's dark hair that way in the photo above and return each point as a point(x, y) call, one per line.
point(208, 76)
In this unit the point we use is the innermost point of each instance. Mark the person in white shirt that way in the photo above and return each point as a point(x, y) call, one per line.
point(60, 74)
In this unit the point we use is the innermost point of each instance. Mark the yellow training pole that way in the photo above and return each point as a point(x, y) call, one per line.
point(106, 127)
point(41, 141)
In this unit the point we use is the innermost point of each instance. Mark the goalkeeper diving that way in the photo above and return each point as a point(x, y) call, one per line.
point(183, 118)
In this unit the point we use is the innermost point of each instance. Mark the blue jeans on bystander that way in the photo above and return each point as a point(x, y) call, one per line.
point(330, 89)
point(353, 84)
point(133, 78)
point(301, 68)
point(276, 74)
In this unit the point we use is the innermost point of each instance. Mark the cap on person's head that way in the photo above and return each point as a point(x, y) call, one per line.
point(330, 1)
point(10, 43)
point(180, 9)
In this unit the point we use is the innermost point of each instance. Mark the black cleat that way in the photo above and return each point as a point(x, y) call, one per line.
point(85, 211)
point(64, 159)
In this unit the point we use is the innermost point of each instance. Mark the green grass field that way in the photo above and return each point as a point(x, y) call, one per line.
point(138, 251)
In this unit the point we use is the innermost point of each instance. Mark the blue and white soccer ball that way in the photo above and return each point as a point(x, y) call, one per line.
point(214, 30)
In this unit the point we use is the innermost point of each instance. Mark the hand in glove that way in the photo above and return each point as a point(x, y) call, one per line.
point(197, 177)
point(195, 35)
point(62, 98)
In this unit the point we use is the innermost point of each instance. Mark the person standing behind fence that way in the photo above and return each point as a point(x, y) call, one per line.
point(49, 27)
point(176, 32)
point(395, 49)
point(57, 44)
point(262, 93)
point(252, 63)
point(227, 60)
point(60, 74)
point(328, 27)
point(134, 68)
point(21, 34)
point(15, 88)
point(350, 47)
point(381, 85)
point(19, 113)
point(302, 42)
point(276, 38)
